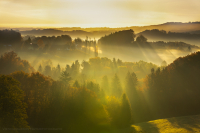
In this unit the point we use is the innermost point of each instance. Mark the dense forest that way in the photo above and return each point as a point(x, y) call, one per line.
point(126, 37)
point(93, 93)
point(162, 35)
point(76, 101)
point(99, 66)
point(13, 40)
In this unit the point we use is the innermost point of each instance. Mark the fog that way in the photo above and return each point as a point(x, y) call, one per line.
point(126, 54)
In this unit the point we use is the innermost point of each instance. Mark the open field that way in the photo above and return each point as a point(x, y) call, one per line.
point(186, 124)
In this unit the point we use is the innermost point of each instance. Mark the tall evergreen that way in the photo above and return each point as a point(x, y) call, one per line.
point(68, 68)
point(125, 114)
point(65, 77)
point(76, 84)
point(56, 72)
point(131, 83)
point(40, 69)
point(116, 87)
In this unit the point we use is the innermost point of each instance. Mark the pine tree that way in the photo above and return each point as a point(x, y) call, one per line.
point(40, 69)
point(77, 67)
point(65, 77)
point(86, 67)
point(58, 72)
point(29, 40)
point(68, 69)
point(95, 49)
point(76, 84)
point(116, 87)
point(131, 83)
point(125, 114)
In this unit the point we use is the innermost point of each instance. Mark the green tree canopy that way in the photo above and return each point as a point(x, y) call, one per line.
point(12, 107)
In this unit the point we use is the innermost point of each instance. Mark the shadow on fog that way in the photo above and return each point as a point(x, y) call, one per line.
point(134, 54)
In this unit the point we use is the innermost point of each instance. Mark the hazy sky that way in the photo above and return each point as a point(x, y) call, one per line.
point(96, 13)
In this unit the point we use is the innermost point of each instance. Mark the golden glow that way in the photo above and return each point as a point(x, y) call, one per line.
point(170, 125)
point(93, 13)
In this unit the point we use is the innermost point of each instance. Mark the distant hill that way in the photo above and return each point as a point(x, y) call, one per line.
point(169, 26)
point(173, 45)
point(123, 37)
point(186, 124)
point(54, 32)
point(74, 33)
point(97, 32)
point(195, 32)
point(162, 35)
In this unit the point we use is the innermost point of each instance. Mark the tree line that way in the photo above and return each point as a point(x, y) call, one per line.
point(13, 40)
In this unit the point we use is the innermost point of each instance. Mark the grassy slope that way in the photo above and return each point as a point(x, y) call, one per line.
point(187, 124)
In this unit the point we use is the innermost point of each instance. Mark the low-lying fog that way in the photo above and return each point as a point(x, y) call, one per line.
point(126, 54)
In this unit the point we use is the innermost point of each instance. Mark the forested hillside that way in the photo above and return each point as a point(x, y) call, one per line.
point(162, 35)
point(96, 93)
point(103, 95)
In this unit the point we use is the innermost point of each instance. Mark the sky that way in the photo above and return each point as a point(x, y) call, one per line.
point(96, 13)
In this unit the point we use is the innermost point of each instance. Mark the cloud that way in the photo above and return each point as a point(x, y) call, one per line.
point(101, 12)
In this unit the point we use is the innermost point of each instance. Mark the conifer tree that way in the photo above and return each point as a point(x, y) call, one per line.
point(76, 84)
point(40, 69)
point(68, 68)
point(57, 72)
point(65, 77)
point(116, 87)
point(125, 114)
point(131, 83)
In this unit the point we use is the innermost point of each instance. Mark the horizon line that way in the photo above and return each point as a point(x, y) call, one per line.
point(86, 27)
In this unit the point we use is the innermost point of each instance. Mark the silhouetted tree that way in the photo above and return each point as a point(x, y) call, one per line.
point(141, 39)
point(121, 37)
point(131, 83)
point(76, 84)
point(78, 41)
point(65, 77)
point(119, 62)
point(57, 72)
point(40, 68)
point(93, 87)
point(86, 67)
point(189, 48)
